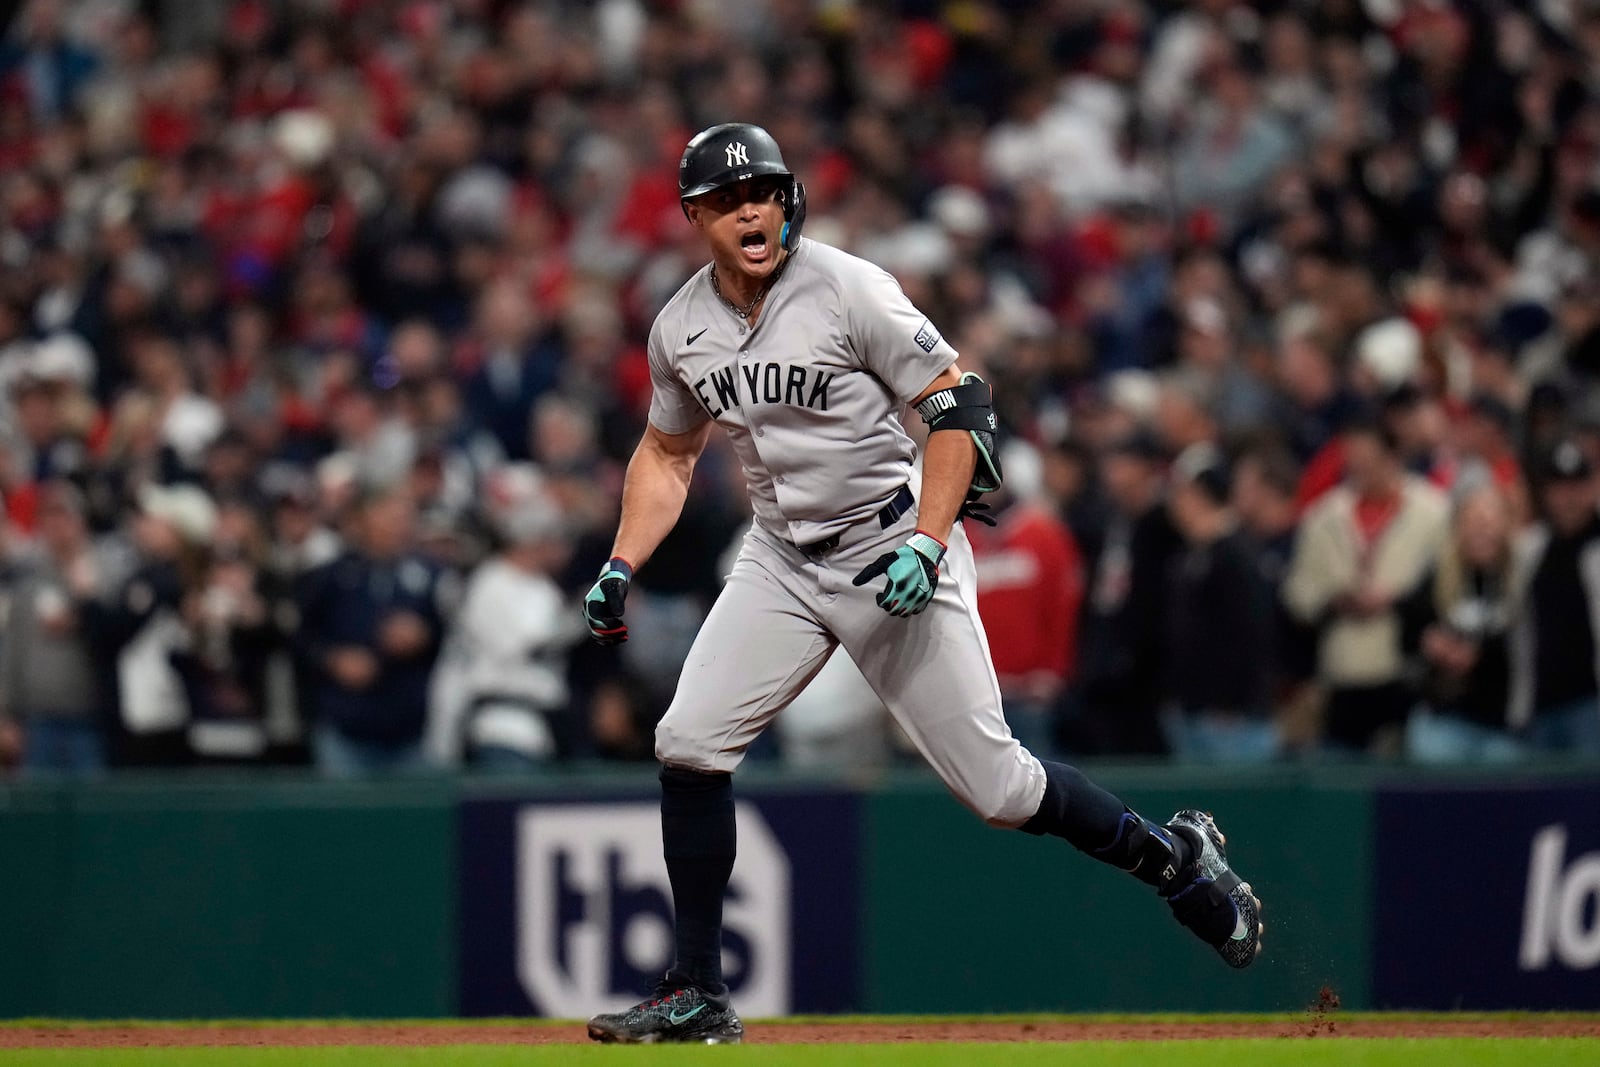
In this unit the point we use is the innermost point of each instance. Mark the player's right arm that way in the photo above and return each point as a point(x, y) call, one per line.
point(656, 486)
point(653, 493)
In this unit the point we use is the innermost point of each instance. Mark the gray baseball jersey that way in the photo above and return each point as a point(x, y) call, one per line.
point(811, 398)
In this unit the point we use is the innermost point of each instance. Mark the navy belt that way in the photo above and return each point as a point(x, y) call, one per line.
point(888, 515)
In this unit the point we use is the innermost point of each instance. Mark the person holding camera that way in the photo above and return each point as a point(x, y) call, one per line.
point(232, 636)
point(1457, 622)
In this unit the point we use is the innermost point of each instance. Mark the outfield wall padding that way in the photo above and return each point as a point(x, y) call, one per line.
point(293, 897)
point(301, 899)
point(961, 918)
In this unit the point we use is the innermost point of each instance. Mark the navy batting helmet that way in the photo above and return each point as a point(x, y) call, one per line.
point(734, 152)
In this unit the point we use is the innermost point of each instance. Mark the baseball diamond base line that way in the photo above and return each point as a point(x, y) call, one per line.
point(1544, 1030)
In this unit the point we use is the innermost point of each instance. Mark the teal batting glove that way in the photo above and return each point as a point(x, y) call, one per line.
point(913, 571)
point(602, 608)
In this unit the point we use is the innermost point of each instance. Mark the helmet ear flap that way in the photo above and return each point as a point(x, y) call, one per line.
point(794, 216)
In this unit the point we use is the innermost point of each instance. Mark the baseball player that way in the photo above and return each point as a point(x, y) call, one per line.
point(807, 357)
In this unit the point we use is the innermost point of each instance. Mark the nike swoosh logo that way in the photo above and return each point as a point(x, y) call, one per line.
point(672, 1016)
point(693, 337)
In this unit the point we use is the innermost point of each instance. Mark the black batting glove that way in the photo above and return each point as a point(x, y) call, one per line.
point(602, 608)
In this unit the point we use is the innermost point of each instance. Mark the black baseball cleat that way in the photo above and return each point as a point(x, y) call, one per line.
point(1209, 898)
point(679, 1013)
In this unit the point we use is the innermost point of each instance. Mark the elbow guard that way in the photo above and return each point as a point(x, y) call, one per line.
point(969, 407)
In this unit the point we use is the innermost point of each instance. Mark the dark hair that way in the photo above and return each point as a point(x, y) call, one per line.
point(1215, 481)
point(1490, 407)
point(1140, 444)
point(1406, 396)
point(1564, 460)
point(1366, 424)
point(1279, 471)
point(1206, 468)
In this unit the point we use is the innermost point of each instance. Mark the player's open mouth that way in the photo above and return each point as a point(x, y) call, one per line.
point(754, 246)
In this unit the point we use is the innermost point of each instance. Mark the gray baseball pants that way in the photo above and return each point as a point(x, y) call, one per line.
point(782, 614)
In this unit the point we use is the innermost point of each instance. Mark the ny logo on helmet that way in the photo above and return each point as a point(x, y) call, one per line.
point(738, 154)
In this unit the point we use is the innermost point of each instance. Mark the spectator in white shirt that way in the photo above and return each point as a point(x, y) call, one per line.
point(502, 689)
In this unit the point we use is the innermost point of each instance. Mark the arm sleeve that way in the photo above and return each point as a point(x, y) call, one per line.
point(1152, 548)
point(310, 642)
point(1252, 606)
point(893, 340)
point(1417, 613)
point(673, 408)
point(10, 657)
point(493, 633)
point(110, 626)
point(431, 610)
point(1071, 592)
point(1309, 588)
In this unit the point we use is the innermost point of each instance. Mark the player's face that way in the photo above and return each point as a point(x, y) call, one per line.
point(742, 223)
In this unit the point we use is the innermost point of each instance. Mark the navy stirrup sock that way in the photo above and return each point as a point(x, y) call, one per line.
point(1094, 822)
point(699, 842)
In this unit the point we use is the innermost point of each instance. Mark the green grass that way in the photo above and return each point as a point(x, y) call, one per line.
point(1267, 1051)
point(1456, 1052)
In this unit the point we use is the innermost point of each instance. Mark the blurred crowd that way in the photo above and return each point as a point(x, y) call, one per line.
point(321, 358)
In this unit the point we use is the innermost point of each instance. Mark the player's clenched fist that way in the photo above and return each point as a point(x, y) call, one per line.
point(602, 608)
point(913, 573)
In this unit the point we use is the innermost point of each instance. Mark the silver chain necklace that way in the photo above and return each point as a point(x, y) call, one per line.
point(766, 287)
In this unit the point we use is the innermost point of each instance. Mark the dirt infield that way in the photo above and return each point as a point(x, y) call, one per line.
point(1312, 1024)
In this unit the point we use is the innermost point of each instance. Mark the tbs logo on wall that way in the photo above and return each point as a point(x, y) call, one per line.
point(566, 909)
point(594, 910)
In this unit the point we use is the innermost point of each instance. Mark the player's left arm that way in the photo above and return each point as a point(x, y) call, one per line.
point(947, 466)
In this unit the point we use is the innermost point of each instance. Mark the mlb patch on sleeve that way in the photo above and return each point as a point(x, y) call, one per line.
point(927, 337)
